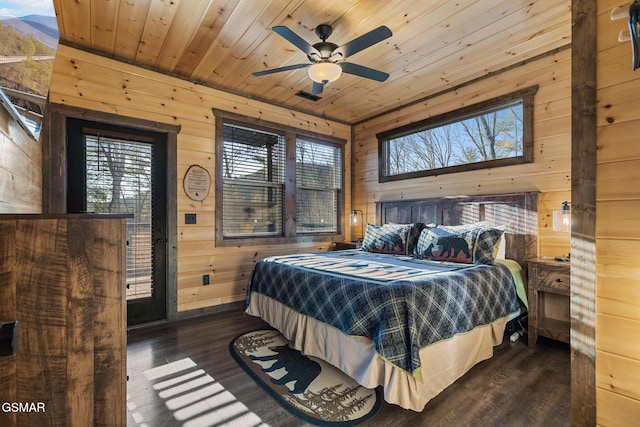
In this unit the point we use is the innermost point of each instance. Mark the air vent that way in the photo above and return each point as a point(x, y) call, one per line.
point(308, 96)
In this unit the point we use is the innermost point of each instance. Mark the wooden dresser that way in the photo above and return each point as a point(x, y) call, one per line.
point(63, 278)
point(549, 304)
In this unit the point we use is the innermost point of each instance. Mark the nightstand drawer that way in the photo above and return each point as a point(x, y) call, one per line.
point(341, 246)
point(553, 278)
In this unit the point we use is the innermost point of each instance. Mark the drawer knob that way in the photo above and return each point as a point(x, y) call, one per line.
point(559, 280)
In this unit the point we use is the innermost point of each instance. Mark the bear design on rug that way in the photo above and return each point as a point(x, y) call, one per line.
point(299, 367)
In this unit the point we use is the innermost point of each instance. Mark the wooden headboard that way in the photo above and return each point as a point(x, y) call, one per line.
point(516, 212)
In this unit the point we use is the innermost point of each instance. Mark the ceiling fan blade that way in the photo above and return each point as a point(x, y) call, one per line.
point(277, 70)
point(362, 71)
point(296, 40)
point(363, 42)
point(317, 88)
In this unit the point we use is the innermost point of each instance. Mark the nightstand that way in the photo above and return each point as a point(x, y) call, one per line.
point(340, 246)
point(549, 299)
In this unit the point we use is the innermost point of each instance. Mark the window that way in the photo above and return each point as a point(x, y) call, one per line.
point(278, 184)
point(318, 185)
point(118, 180)
point(253, 166)
point(494, 133)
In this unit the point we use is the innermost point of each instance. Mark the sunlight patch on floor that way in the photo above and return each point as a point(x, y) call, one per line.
point(194, 398)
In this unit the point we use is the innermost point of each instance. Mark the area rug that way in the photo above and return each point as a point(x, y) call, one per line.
point(307, 387)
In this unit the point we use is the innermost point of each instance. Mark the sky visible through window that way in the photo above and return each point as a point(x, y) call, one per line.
point(19, 8)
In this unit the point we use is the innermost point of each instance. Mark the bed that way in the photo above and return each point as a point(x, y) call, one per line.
point(403, 314)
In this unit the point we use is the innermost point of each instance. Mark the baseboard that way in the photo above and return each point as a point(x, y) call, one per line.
point(185, 315)
point(205, 311)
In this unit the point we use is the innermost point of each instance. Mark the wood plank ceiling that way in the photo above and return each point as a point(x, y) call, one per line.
point(436, 45)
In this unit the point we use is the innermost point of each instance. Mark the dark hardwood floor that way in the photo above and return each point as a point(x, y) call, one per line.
point(178, 374)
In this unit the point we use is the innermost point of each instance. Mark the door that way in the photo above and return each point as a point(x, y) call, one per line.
point(115, 169)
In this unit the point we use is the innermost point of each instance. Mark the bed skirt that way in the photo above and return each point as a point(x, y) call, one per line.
point(442, 362)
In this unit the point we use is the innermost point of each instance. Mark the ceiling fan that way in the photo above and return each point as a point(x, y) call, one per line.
point(326, 58)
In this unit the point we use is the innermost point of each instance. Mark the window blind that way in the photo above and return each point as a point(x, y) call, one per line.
point(118, 181)
point(253, 170)
point(318, 186)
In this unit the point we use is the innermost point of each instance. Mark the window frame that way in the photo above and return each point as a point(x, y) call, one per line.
point(289, 234)
point(525, 95)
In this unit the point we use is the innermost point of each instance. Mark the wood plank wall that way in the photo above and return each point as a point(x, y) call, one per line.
point(93, 82)
point(550, 173)
point(617, 227)
point(20, 168)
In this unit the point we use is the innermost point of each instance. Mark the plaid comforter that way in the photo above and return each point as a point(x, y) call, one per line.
point(400, 303)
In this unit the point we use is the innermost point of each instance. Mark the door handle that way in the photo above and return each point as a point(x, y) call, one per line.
point(9, 334)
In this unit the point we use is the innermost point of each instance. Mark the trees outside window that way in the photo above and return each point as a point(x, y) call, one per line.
point(490, 134)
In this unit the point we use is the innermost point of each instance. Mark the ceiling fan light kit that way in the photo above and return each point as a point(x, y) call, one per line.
point(324, 72)
point(325, 58)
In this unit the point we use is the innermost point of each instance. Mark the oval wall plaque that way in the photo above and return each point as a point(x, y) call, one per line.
point(197, 183)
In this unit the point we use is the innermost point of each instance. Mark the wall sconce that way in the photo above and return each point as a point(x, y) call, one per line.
point(357, 218)
point(562, 218)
